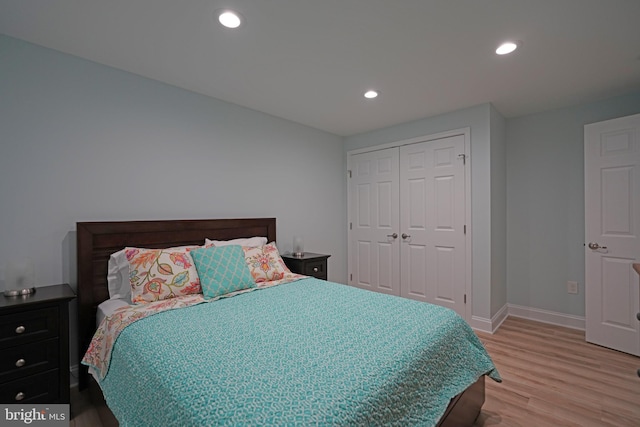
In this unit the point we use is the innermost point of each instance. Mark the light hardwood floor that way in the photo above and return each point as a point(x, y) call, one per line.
point(551, 377)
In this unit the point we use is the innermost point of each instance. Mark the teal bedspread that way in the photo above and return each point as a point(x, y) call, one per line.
point(304, 353)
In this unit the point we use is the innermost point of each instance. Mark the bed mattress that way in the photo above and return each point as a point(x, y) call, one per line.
point(307, 352)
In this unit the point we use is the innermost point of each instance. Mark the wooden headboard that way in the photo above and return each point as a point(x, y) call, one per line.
point(98, 240)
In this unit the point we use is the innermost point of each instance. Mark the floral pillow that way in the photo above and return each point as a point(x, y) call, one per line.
point(157, 274)
point(265, 263)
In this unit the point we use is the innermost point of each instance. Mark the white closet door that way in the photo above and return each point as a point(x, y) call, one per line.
point(432, 206)
point(374, 211)
point(612, 233)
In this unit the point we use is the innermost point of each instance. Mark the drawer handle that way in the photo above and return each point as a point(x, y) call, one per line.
point(20, 329)
point(20, 363)
point(20, 396)
point(315, 269)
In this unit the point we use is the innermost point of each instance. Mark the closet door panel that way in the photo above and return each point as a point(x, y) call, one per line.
point(414, 271)
point(374, 206)
point(432, 212)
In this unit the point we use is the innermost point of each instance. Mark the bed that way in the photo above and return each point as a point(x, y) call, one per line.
point(311, 391)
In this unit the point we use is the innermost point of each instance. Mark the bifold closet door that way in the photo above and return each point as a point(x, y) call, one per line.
point(374, 198)
point(432, 220)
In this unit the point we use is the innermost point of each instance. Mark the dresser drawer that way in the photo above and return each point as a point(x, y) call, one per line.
point(316, 269)
point(40, 388)
point(28, 359)
point(28, 326)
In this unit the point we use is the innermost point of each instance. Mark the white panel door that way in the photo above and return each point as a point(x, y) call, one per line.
point(432, 207)
point(612, 227)
point(374, 253)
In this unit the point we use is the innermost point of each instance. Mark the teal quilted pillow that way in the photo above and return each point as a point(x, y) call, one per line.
point(222, 270)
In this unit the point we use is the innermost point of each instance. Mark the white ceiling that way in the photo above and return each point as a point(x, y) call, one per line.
point(310, 61)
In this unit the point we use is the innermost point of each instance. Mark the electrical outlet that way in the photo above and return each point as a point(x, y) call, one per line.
point(572, 287)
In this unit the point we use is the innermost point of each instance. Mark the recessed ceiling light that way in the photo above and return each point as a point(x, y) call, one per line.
point(229, 18)
point(506, 47)
point(370, 94)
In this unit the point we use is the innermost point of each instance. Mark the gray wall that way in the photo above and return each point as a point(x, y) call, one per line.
point(84, 142)
point(477, 118)
point(545, 209)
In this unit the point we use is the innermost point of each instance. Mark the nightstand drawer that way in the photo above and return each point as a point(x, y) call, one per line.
point(316, 269)
point(28, 359)
point(28, 326)
point(40, 388)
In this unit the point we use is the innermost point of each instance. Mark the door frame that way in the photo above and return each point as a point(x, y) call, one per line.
point(466, 132)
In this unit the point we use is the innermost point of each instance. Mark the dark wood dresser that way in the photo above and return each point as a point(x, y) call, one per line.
point(34, 346)
point(309, 264)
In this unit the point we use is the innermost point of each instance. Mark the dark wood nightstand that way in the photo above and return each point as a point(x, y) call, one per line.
point(34, 346)
point(309, 264)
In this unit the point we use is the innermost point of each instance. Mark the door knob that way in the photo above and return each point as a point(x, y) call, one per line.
point(394, 235)
point(594, 246)
point(405, 235)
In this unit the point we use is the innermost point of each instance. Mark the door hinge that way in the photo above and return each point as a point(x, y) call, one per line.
point(350, 277)
point(349, 172)
point(350, 226)
point(464, 228)
point(465, 298)
point(464, 158)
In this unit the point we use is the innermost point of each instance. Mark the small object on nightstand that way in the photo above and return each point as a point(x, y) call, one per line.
point(309, 264)
point(19, 292)
point(34, 346)
point(298, 247)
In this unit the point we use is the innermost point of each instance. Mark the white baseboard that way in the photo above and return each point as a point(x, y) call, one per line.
point(546, 316)
point(489, 325)
point(481, 324)
point(539, 315)
point(499, 318)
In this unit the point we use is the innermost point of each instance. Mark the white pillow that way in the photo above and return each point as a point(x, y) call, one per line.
point(106, 308)
point(252, 242)
point(118, 275)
